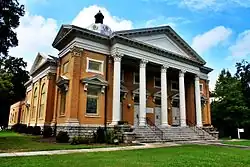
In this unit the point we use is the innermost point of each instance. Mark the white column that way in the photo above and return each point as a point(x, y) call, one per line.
point(142, 90)
point(182, 98)
point(164, 97)
point(198, 102)
point(116, 115)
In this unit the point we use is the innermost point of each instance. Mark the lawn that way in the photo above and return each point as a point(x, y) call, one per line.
point(14, 142)
point(238, 142)
point(179, 156)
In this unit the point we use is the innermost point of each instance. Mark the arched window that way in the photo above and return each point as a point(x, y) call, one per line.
point(34, 103)
point(63, 102)
point(42, 103)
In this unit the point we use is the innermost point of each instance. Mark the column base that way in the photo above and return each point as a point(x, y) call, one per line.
point(165, 125)
point(113, 123)
point(142, 123)
point(199, 125)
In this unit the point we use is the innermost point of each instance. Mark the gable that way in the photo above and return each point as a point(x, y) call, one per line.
point(40, 60)
point(162, 41)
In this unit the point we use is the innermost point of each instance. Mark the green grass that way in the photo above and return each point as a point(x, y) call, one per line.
point(180, 156)
point(240, 142)
point(14, 142)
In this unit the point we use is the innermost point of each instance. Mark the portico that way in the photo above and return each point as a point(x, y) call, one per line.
point(163, 69)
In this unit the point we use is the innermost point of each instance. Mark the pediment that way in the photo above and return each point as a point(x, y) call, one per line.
point(39, 61)
point(162, 41)
point(123, 88)
point(95, 80)
point(157, 94)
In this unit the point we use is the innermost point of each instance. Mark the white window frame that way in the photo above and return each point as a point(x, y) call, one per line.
point(63, 69)
point(154, 82)
point(172, 85)
point(134, 78)
point(95, 71)
point(201, 87)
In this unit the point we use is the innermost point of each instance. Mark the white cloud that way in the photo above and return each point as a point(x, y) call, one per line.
point(215, 5)
point(86, 17)
point(35, 34)
point(162, 21)
point(241, 48)
point(203, 42)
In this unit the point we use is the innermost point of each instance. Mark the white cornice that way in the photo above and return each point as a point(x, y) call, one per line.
point(50, 69)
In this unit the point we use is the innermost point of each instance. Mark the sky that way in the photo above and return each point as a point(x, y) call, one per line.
point(218, 30)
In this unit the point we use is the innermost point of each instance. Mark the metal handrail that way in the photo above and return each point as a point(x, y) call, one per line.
point(155, 128)
point(196, 129)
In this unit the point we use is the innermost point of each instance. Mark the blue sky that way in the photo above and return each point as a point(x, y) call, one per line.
point(219, 30)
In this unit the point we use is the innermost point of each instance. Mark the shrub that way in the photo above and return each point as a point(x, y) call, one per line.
point(100, 135)
point(37, 130)
point(47, 131)
point(81, 140)
point(29, 130)
point(15, 127)
point(22, 128)
point(62, 137)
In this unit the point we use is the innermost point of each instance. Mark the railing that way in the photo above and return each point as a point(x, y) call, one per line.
point(197, 130)
point(154, 128)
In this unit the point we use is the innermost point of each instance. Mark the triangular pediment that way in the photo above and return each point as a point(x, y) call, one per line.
point(95, 80)
point(157, 94)
point(164, 38)
point(39, 61)
point(123, 88)
point(62, 32)
point(162, 41)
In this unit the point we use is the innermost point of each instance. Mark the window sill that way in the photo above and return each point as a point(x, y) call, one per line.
point(92, 116)
point(94, 71)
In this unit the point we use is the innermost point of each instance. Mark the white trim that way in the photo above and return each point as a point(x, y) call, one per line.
point(44, 73)
point(154, 82)
point(140, 54)
point(84, 125)
point(171, 82)
point(94, 71)
point(29, 88)
point(134, 78)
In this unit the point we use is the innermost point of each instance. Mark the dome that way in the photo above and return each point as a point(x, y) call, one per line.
point(98, 26)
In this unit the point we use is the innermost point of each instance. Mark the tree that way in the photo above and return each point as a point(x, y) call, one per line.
point(12, 70)
point(10, 13)
point(230, 111)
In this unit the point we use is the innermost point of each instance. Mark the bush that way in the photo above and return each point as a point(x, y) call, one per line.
point(100, 135)
point(62, 137)
point(81, 140)
point(47, 131)
point(15, 127)
point(29, 130)
point(37, 130)
point(22, 128)
point(111, 137)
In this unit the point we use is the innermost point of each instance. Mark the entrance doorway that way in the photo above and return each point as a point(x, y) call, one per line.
point(136, 115)
point(157, 116)
point(175, 111)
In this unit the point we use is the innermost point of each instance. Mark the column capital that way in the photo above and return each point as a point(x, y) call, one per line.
point(143, 63)
point(164, 68)
point(182, 72)
point(117, 56)
point(76, 51)
point(197, 77)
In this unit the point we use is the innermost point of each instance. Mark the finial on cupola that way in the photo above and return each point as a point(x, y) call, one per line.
point(99, 17)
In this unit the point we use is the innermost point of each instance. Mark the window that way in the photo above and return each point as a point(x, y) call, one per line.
point(158, 101)
point(95, 66)
point(136, 78)
point(157, 82)
point(122, 75)
point(42, 103)
point(136, 99)
point(201, 88)
point(92, 101)
point(34, 103)
point(174, 86)
point(65, 67)
point(63, 103)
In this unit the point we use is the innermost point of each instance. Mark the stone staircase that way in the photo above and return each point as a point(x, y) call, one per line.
point(148, 134)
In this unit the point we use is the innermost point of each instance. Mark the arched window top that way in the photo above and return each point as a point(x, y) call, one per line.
point(35, 93)
point(43, 89)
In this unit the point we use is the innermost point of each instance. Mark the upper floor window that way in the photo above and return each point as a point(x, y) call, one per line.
point(157, 82)
point(63, 102)
point(122, 75)
point(65, 67)
point(136, 78)
point(174, 86)
point(34, 103)
point(42, 103)
point(95, 66)
point(201, 88)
